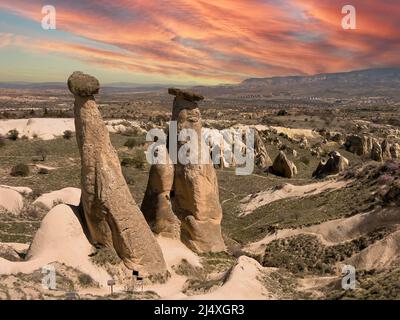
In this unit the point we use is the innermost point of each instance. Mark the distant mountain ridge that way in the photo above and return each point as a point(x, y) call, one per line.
point(370, 75)
point(379, 81)
point(368, 82)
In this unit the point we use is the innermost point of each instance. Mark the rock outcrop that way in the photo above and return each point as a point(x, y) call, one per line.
point(395, 151)
point(156, 204)
point(303, 144)
point(335, 164)
point(11, 200)
point(261, 157)
point(195, 197)
point(282, 166)
point(70, 196)
point(360, 145)
point(7, 252)
point(112, 216)
point(385, 146)
point(390, 150)
point(376, 151)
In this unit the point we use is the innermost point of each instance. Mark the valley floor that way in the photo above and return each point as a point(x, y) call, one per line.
point(286, 238)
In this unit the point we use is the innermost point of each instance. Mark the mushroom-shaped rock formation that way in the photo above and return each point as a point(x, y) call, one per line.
point(195, 197)
point(185, 94)
point(335, 164)
point(282, 166)
point(83, 85)
point(111, 214)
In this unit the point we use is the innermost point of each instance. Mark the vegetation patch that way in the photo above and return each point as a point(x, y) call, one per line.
point(371, 285)
point(305, 254)
point(20, 170)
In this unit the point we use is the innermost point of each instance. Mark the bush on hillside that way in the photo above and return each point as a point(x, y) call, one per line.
point(20, 170)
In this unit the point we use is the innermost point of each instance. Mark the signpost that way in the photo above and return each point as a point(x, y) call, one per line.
point(111, 283)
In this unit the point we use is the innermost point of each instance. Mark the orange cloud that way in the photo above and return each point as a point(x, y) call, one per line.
point(222, 40)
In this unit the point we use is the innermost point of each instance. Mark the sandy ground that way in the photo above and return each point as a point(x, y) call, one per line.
point(41, 166)
point(314, 284)
point(242, 283)
point(296, 133)
point(379, 255)
point(174, 251)
point(11, 200)
point(50, 128)
point(336, 231)
point(254, 201)
point(291, 132)
point(43, 128)
point(21, 190)
point(70, 196)
point(59, 238)
point(18, 247)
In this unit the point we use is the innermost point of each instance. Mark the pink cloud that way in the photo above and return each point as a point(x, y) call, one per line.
point(225, 40)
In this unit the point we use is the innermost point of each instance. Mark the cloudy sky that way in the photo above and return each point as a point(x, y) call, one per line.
point(194, 41)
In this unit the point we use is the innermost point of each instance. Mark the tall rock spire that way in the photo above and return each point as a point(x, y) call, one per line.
point(112, 216)
point(196, 196)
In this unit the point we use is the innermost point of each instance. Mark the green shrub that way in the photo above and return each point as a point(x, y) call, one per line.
point(41, 153)
point(104, 256)
point(86, 280)
point(2, 141)
point(43, 171)
point(129, 175)
point(20, 170)
point(13, 134)
point(282, 112)
point(68, 134)
point(306, 254)
point(127, 162)
point(134, 142)
point(305, 160)
point(138, 160)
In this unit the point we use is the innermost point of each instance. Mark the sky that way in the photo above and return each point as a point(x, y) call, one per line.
point(194, 41)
